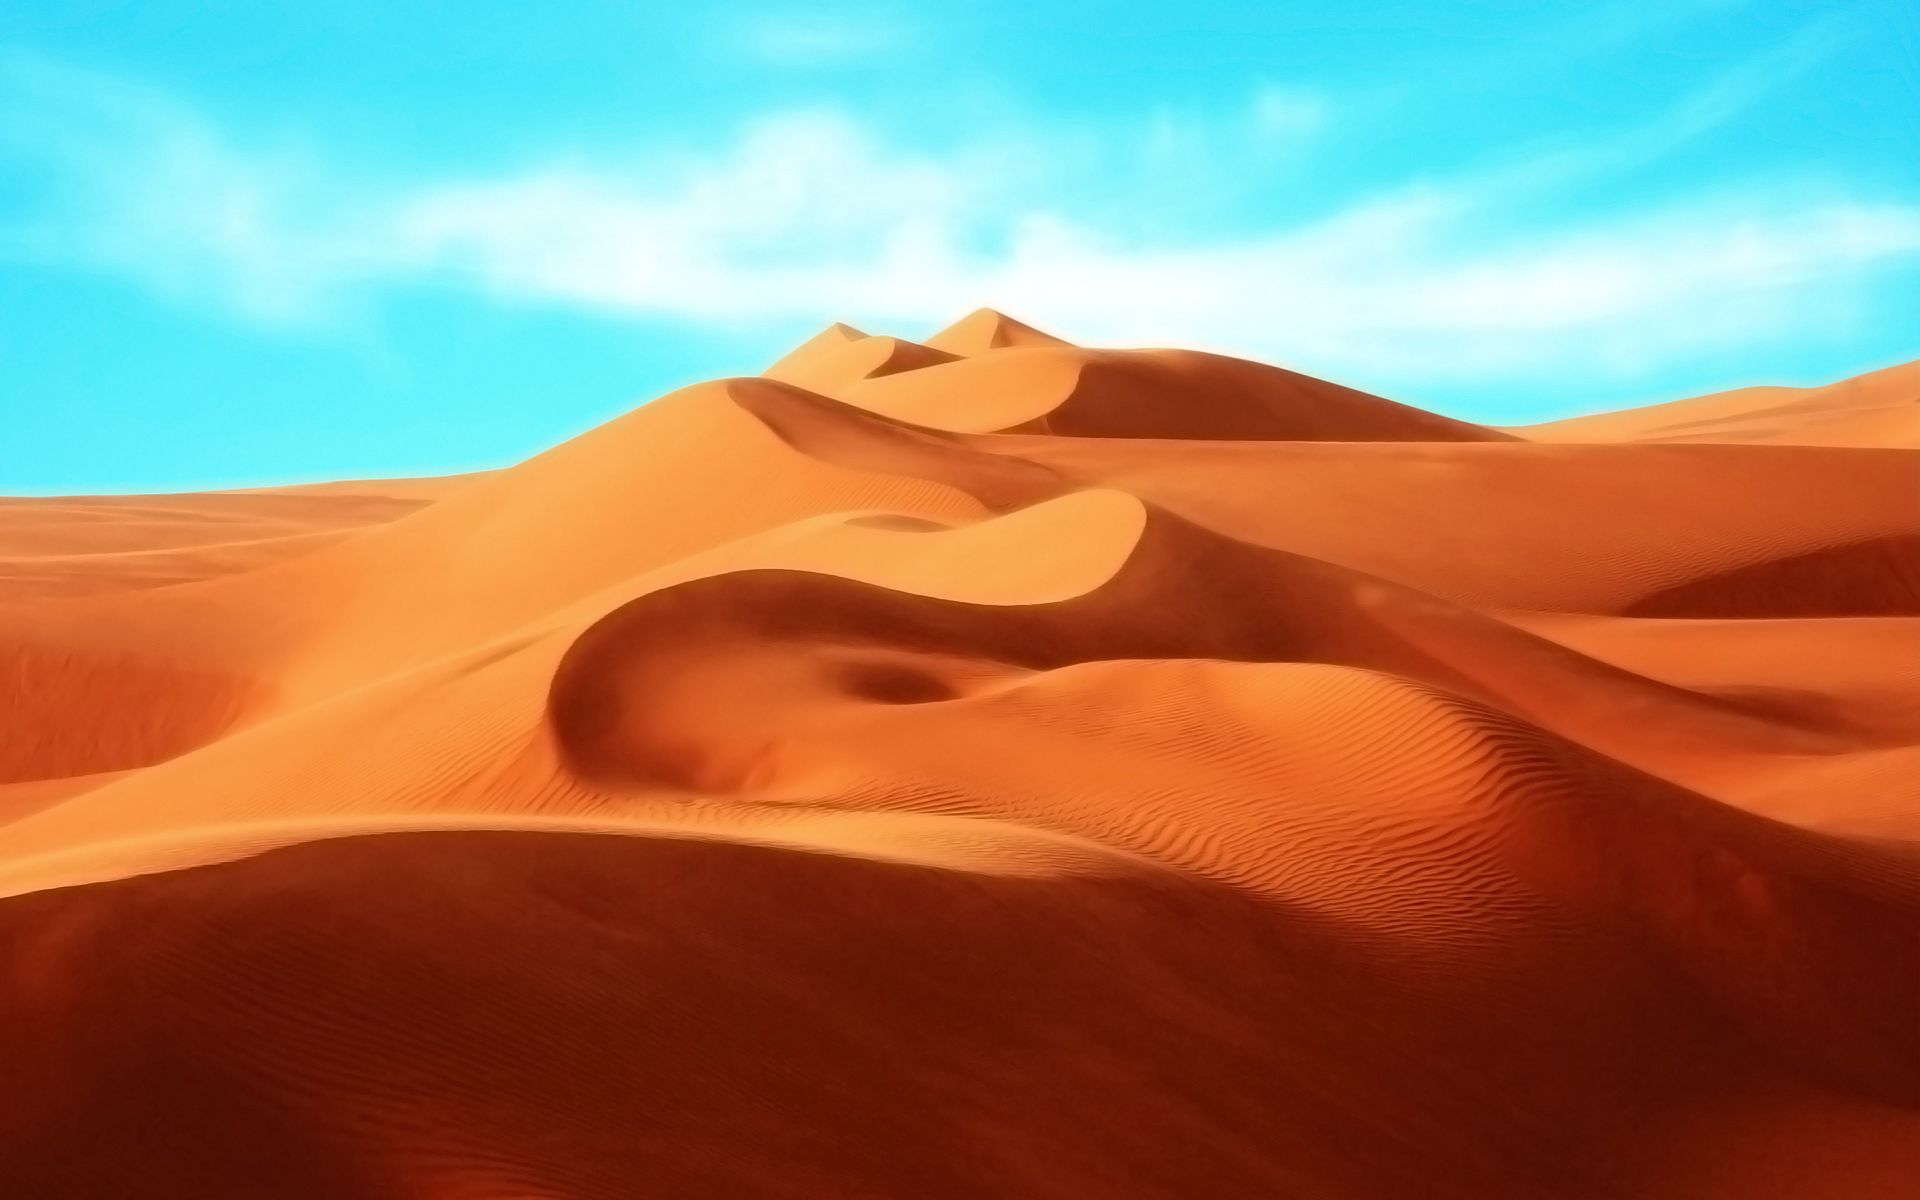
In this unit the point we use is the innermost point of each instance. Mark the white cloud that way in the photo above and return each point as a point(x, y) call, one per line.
point(811, 215)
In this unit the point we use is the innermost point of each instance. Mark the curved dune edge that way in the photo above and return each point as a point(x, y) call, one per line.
point(983, 766)
point(979, 845)
point(1096, 530)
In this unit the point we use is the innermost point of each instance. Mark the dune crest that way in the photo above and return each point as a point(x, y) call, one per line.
point(985, 329)
point(983, 767)
point(843, 355)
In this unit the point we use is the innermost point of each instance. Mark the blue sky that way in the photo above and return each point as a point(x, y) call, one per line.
point(245, 243)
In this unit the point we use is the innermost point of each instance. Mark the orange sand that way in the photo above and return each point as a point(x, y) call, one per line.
point(983, 768)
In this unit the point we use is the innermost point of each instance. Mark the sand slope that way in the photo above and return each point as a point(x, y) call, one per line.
point(1880, 408)
point(983, 767)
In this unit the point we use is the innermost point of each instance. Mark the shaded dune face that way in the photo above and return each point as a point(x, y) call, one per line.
point(1070, 392)
point(727, 1019)
point(1879, 577)
point(982, 767)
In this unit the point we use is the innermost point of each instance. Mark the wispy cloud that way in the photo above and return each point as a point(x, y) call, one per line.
point(1717, 101)
point(1280, 110)
point(816, 38)
point(812, 214)
point(132, 181)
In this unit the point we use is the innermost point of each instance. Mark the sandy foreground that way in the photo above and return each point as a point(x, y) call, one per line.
point(983, 768)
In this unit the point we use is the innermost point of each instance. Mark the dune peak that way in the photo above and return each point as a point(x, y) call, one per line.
point(986, 329)
point(828, 341)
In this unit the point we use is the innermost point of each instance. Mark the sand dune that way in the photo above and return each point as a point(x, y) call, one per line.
point(983, 767)
point(1880, 408)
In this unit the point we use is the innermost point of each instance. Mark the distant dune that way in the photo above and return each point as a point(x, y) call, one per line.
point(984, 767)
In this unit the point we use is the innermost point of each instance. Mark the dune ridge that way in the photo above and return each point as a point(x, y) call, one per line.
point(983, 766)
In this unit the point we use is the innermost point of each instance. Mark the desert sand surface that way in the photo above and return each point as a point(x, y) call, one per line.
point(983, 767)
